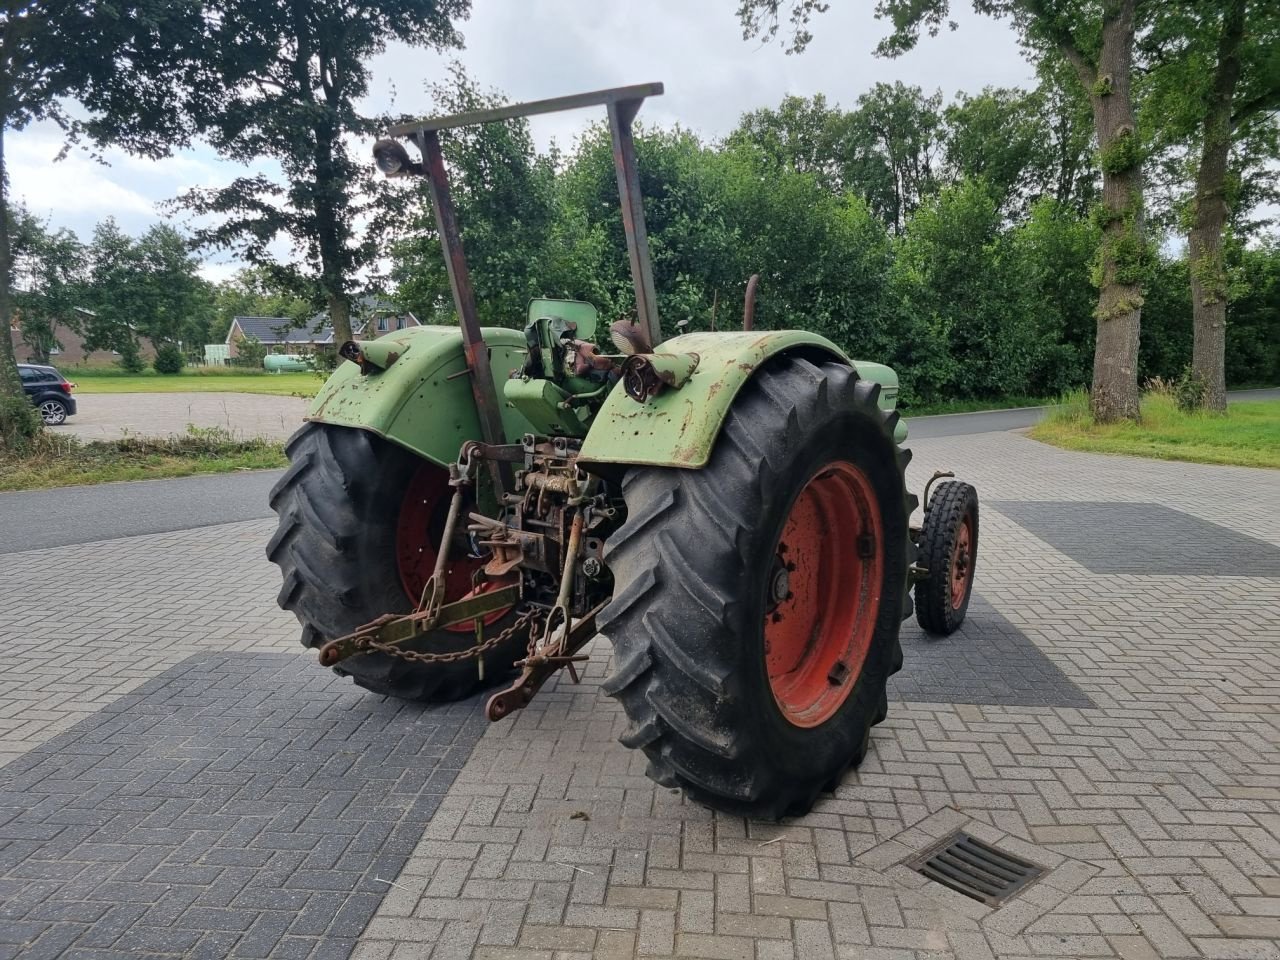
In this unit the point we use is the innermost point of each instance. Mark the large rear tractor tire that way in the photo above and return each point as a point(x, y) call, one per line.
point(757, 601)
point(360, 524)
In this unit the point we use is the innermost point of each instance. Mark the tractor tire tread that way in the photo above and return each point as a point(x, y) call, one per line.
point(326, 508)
point(679, 565)
point(950, 501)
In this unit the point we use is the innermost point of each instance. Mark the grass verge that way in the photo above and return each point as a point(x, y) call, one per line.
point(62, 461)
point(1248, 435)
point(194, 380)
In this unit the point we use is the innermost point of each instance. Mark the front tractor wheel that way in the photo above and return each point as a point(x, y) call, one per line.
point(949, 551)
point(361, 520)
point(757, 601)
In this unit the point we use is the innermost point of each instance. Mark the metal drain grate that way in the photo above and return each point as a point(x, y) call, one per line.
point(977, 869)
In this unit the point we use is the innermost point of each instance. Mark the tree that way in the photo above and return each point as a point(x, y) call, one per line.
point(504, 195)
point(804, 134)
point(887, 150)
point(903, 128)
point(147, 287)
point(287, 81)
point(1072, 175)
point(1214, 78)
point(122, 62)
point(49, 285)
point(1001, 136)
point(1098, 42)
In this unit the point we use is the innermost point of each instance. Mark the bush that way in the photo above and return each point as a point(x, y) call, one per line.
point(169, 359)
point(130, 358)
point(323, 362)
point(20, 425)
point(1190, 390)
point(250, 353)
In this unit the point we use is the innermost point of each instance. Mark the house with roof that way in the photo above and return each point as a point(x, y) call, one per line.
point(370, 319)
point(69, 347)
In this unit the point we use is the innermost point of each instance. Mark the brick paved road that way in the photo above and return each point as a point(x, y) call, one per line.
point(164, 797)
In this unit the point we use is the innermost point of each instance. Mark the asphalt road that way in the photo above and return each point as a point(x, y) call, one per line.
point(33, 520)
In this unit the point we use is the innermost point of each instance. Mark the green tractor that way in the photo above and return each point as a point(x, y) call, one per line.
point(469, 506)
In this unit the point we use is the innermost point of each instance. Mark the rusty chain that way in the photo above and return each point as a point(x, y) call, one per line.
point(480, 649)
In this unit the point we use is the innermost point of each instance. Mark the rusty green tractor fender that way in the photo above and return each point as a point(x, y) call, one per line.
point(412, 388)
point(678, 426)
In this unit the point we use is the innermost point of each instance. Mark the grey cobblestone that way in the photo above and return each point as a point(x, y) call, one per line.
point(1143, 538)
point(1117, 728)
point(1134, 756)
point(205, 803)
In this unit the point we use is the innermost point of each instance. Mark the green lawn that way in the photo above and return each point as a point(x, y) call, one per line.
point(1248, 435)
point(193, 380)
point(231, 380)
point(62, 461)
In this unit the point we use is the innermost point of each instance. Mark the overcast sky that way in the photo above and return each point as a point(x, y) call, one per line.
point(530, 49)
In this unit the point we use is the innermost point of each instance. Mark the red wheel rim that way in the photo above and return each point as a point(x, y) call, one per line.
point(823, 594)
point(419, 529)
point(962, 564)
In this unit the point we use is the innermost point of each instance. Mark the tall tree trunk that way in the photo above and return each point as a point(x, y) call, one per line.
point(1114, 395)
point(329, 232)
point(1208, 271)
point(10, 383)
point(340, 317)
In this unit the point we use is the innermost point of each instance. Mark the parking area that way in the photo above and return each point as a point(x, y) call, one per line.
point(180, 779)
point(109, 416)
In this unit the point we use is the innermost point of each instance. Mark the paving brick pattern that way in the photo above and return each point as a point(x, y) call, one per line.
point(1144, 538)
point(1155, 806)
point(237, 805)
point(988, 660)
point(115, 613)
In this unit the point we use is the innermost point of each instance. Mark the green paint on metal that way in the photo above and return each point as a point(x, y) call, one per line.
point(888, 380)
point(379, 354)
point(423, 401)
point(647, 373)
point(581, 314)
point(539, 402)
point(678, 428)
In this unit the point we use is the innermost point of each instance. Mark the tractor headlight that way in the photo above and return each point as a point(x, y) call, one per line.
point(392, 158)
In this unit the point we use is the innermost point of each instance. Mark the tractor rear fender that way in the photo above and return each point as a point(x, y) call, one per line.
point(422, 399)
point(678, 427)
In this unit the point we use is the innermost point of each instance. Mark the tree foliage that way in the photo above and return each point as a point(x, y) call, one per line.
point(48, 281)
point(124, 63)
point(143, 288)
point(1097, 41)
point(285, 82)
point(983, 292)
point(1212, 91)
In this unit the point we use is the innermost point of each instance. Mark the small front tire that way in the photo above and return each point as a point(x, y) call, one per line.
point(949, 551)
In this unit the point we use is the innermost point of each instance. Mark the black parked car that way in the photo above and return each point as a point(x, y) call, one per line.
point(50, 391)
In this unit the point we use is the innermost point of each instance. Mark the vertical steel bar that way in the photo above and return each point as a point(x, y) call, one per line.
point(621, 114)
point(473, 345)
